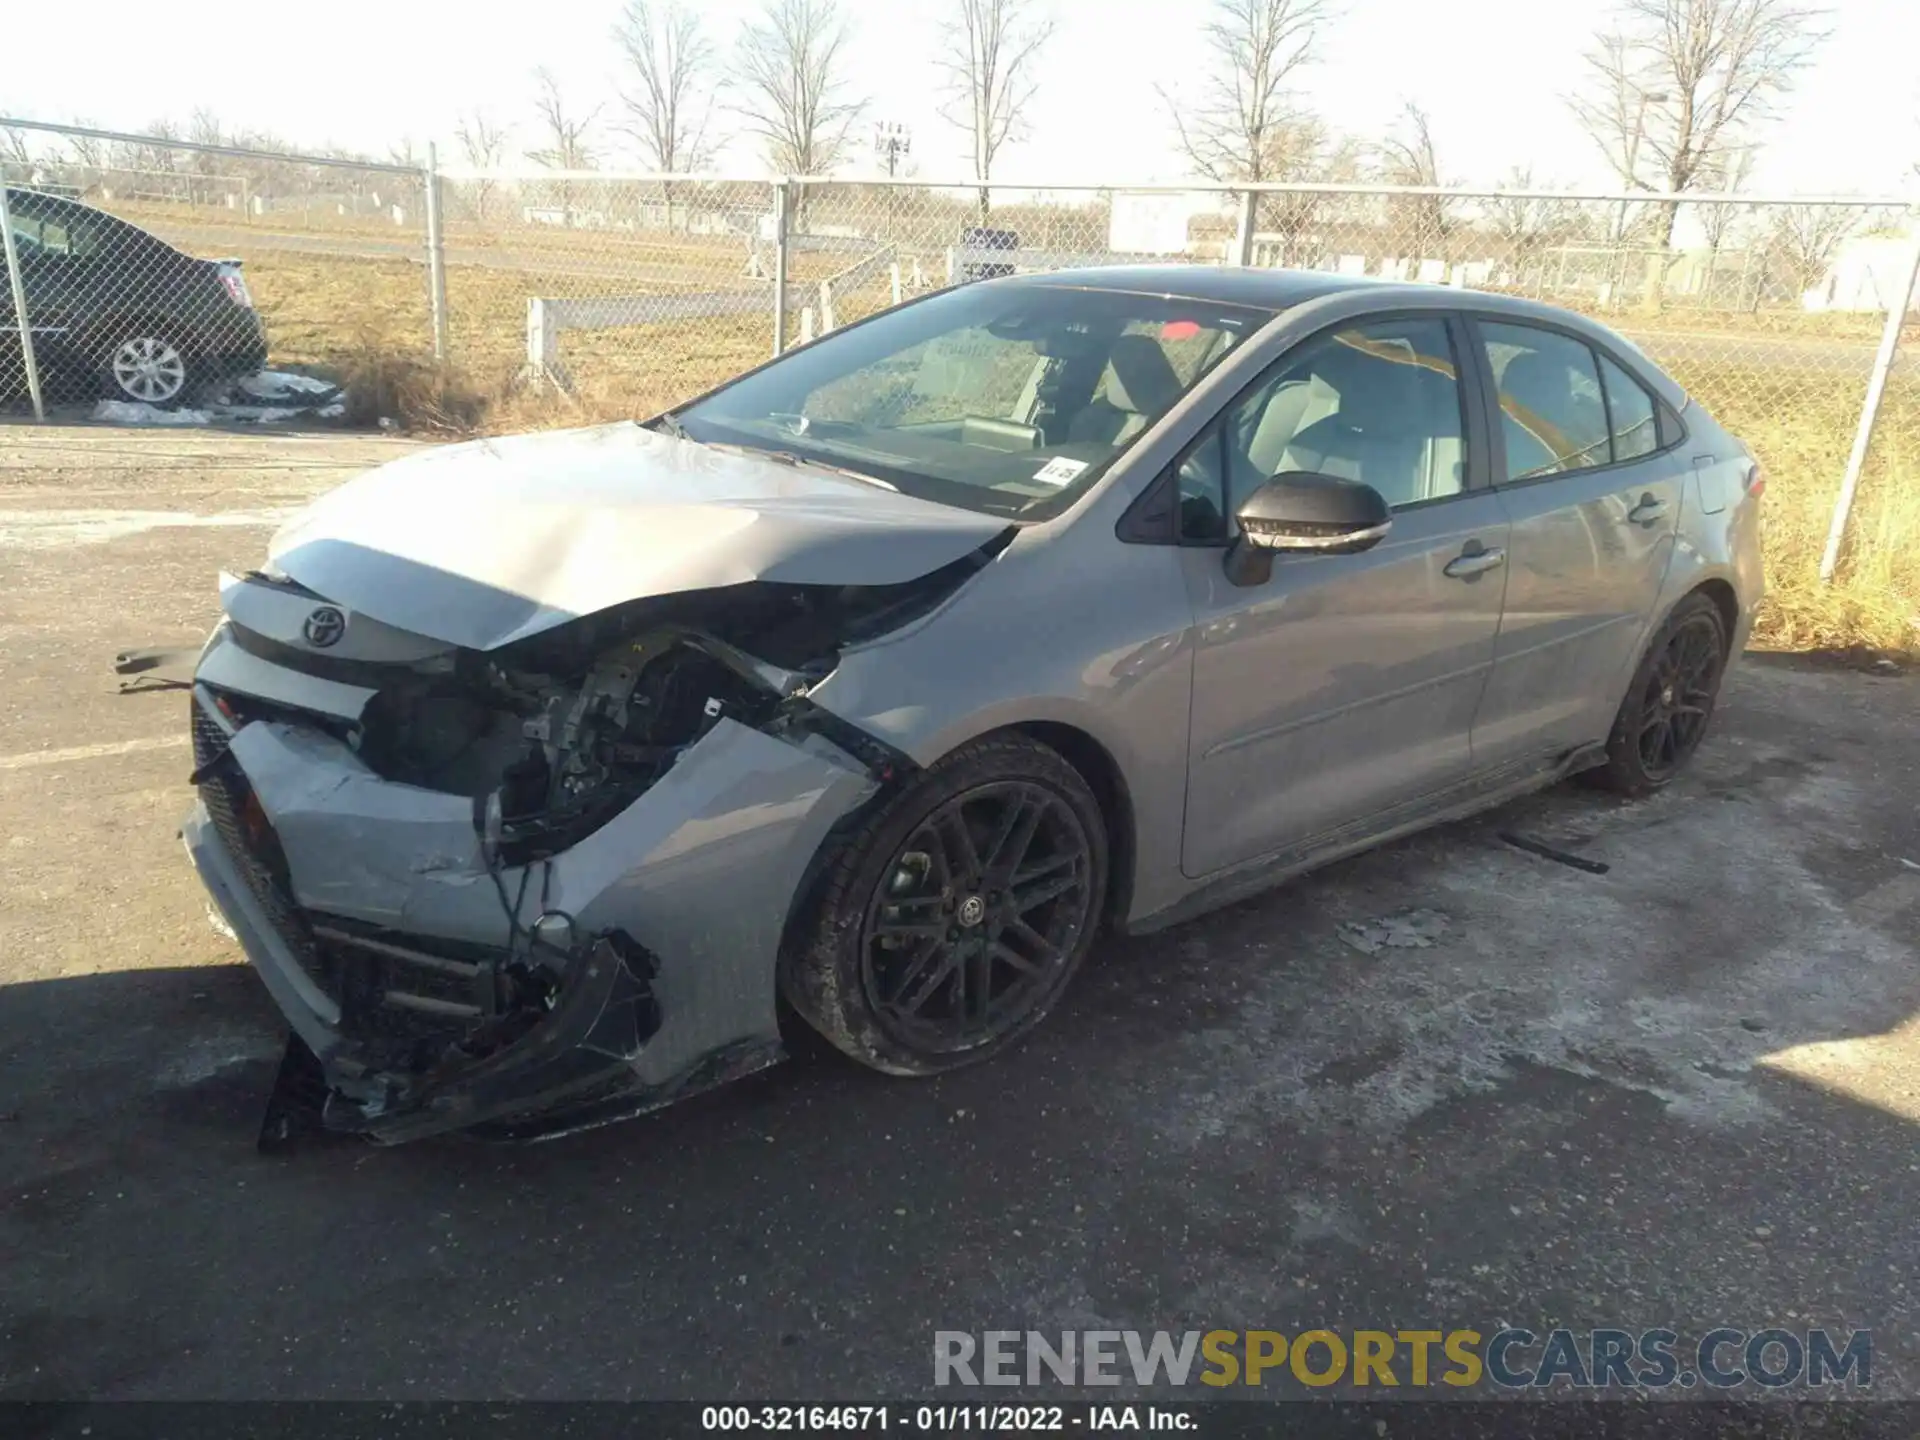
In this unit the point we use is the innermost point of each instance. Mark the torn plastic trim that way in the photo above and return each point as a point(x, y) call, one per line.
point(698, 871)
point(604, 1011)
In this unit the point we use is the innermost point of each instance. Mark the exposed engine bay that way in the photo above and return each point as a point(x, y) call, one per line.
point(529, 751)
point(553, 735)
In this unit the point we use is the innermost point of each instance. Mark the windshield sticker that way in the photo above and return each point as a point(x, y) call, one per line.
point(1059, 470)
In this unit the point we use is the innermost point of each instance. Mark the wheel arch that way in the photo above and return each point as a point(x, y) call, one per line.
point(1089, 756)
point(1721, 592)
point(107, 330)
point(1108, 782)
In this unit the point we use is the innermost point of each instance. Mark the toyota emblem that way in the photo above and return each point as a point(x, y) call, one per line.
point(324, 627)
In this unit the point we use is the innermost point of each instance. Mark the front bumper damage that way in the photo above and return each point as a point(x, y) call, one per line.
point(440, 992)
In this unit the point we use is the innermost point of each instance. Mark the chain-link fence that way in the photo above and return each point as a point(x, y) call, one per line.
point(153, 270)
point(544, 296)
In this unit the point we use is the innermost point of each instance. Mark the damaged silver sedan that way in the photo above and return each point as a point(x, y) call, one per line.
point(536, 773)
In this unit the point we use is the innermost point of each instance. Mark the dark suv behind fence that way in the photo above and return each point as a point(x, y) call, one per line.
point(119, 312)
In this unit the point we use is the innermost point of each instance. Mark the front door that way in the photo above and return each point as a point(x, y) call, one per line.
point(1345, 686)
point(1594, 500)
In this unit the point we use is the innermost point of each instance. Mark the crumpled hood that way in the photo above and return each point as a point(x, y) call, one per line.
point(487, 542)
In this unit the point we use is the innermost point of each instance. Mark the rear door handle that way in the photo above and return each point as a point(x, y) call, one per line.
point(1650, 509)
point(1469, 563)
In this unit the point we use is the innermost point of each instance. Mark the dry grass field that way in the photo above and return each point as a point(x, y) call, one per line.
point(367, 321)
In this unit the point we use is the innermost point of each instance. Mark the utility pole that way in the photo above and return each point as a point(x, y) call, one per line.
point(892, 142)
point(1632, 177)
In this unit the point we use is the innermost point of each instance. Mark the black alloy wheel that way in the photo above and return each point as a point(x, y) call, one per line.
point(947, 923)
point(1669, 705)
point(972, 925)
point(1678, 696)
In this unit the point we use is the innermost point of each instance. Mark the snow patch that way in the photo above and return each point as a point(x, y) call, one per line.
point(261, 399)
point(285, 385)
point(130, 412)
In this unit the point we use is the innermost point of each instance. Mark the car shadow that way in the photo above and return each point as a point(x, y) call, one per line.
point(1449, 1081)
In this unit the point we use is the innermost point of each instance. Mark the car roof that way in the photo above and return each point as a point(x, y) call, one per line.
point(1261, 288)
point(1225, 284)
point(46, 200)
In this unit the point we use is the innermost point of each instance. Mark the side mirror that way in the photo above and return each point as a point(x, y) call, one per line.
point(1304, 514)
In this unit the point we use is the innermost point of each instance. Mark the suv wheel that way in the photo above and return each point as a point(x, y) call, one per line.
point(146, 366)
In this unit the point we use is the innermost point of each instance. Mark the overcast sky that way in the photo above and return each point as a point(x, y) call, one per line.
point(1493, 74)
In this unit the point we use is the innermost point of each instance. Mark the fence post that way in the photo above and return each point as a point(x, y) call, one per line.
point(1243, 234)
point(1869, 412)
point(436, 255)
point(18, 285)
point(779, 266)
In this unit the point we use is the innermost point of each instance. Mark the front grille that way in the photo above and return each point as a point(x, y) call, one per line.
point(397, 992)
point(243, 828)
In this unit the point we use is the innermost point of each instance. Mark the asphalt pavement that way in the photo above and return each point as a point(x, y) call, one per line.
point(1450, 1083)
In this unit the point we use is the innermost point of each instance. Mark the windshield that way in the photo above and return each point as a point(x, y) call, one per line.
point(1006, 399)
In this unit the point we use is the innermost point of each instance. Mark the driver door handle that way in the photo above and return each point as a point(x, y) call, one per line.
point(1650, 509)
point(1469, 563)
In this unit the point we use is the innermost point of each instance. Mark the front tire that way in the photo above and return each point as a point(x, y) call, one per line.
point(948, 924)
point(1668, 706)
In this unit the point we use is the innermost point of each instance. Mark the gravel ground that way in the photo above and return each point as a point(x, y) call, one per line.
point(1449, 1083)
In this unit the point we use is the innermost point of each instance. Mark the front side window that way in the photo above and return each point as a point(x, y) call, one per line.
point(1552, 416)
point(1005, 399)
point(1377, 402)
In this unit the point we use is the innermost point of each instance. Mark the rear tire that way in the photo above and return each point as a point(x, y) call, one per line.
point(1669, 705)
point(145, 364)
point(947, 924)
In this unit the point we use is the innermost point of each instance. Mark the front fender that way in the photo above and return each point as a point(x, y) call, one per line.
point(1015, 646)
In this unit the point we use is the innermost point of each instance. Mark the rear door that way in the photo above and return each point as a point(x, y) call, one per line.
point(1343, 689)
point(1593, 494)
point(58, 266)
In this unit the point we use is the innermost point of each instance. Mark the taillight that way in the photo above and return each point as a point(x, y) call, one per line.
point(1756, 481)
point(236, 288)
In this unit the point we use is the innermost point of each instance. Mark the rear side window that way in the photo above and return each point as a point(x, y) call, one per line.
point(1553, 416)
point(57, 234)
point(1630, 410)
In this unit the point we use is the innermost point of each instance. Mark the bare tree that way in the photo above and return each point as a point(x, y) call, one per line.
point(1718, 220)
point(1805, 239)
point(1526, 226)
point(1682, 83)
point(16, 161)
point(1409, 157)
point(566, 131)
point(1233, 129)
point(1304, 149)
point(89, 151)
point(989, 51)
point(483, 143)
point(669, 101)
point(793, 92)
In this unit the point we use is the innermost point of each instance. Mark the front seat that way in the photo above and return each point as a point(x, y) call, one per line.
point(1378, 435)
point(1139, 384)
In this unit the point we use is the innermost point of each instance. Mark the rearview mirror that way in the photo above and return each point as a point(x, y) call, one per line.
point(1305, 514)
